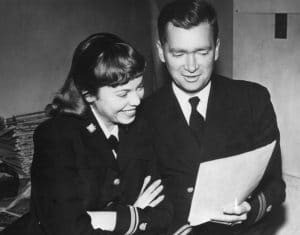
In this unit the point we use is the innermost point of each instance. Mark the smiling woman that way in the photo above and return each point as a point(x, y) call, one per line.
point(118, 104)
point(93, 162)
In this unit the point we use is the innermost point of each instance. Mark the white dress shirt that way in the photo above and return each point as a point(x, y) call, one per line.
point(183, 100)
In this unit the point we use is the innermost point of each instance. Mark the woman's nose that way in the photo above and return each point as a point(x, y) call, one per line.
point(134, 99)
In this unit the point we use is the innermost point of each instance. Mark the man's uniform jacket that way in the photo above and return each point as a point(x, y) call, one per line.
point(239, 118)
point(74, 171)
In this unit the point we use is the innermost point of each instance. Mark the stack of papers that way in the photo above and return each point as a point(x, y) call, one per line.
point(16, 143)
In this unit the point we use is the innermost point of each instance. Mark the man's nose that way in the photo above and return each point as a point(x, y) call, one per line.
point(191, 64)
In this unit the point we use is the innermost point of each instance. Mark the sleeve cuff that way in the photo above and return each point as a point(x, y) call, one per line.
point(127, 219)
point(258, 208)
point(262, 207)
point(134, 220)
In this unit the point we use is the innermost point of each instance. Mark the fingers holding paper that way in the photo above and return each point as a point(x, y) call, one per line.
point(233, 215)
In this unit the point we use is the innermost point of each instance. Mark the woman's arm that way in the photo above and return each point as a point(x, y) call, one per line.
point(58, 199)
point(149, 196)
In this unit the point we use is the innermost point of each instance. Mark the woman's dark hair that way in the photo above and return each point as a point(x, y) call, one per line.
point(187, 14)
point(102, 59)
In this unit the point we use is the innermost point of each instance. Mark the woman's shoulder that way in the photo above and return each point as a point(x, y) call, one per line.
point(64, 123)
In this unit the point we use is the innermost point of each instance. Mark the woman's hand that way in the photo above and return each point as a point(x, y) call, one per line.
point(149, 196)
point(233, 215)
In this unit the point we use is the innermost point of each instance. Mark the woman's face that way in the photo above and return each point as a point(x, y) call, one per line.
point(117, 105)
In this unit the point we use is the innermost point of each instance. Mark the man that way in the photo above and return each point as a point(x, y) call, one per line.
point(223, 118)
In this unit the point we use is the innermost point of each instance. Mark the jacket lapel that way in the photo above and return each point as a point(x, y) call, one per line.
point(124, 144)
point(97, 141)
point(180, 133)
point(217, 118)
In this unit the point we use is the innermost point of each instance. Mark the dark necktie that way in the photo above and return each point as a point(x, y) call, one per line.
point(196, 120)
point(114, 143)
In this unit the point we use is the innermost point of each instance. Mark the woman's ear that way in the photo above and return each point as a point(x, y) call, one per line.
point(88, 97)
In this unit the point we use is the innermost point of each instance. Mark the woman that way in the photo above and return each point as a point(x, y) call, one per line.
point(82, 182)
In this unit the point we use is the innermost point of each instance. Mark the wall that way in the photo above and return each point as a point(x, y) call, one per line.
point(259, 57)
point(38, 38)
point(225, 20)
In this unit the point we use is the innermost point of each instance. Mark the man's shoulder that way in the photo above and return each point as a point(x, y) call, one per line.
point(240, 85)
point(240, 88)
point(237, 84)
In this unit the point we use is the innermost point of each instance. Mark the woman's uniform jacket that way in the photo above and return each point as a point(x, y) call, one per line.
point(74, 171)
point(239, 118)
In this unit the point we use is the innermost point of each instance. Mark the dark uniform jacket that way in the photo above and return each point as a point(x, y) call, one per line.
point(74, 171)
point(240, 117)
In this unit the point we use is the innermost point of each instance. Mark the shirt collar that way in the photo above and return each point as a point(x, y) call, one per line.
point(107, 133)
point(183, 100)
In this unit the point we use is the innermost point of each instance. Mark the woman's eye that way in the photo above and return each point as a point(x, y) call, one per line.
point(122, 94)
point(140, 88)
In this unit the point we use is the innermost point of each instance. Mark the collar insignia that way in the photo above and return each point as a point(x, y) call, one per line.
point(91, 128)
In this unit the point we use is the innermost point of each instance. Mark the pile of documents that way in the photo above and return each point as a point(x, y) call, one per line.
point(16, 143)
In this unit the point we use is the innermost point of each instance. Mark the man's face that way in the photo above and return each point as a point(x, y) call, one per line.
point(189, 55)
point(117, 105)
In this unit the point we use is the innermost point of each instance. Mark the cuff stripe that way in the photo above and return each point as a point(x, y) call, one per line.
point(182, 229)
point(136, 220)
point(132, 222)
point(262, 206)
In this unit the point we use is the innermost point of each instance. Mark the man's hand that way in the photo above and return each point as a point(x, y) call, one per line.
point(149, 195)
point(233, 215)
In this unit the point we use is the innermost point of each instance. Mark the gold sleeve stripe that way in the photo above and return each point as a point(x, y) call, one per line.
point(262, 206)
point(132, 221)
point(183, 229)
point(136, 219)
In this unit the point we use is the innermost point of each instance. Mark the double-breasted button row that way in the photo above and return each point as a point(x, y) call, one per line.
point(116, 181)
point(143, 226)
point(190, 189)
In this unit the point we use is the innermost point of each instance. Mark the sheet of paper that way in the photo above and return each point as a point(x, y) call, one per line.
point(223, 182)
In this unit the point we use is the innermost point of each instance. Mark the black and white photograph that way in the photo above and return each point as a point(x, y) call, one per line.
point(151, 117)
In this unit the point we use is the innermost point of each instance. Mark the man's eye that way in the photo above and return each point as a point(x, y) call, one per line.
point(204, 52)
point(177, 54)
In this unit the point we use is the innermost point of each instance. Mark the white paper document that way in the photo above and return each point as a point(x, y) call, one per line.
point(224, 182)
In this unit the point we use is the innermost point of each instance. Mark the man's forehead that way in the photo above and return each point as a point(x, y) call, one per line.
point(198, 37)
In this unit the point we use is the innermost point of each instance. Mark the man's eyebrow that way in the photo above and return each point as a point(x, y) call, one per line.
point(187, 51)
point(178, 50)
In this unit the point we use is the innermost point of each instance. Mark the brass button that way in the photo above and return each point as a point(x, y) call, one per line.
point(116, 181)
point(190, 189)
point(143, 226)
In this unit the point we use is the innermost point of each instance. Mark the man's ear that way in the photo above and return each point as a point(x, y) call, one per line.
point(88, 97)
point(217, 49)
point(160, 51)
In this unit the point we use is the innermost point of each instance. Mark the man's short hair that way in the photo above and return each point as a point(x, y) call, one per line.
point(187, 14)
